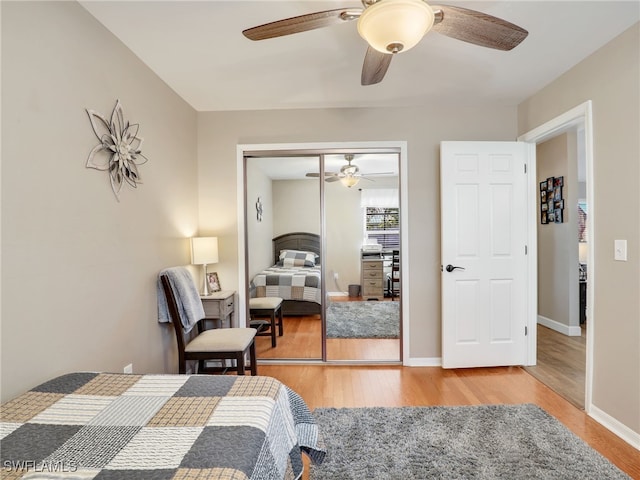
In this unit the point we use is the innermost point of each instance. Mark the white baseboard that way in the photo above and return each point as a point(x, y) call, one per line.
point(621, 430)
point(338, 294)
point(570, 331)
point(423, 362)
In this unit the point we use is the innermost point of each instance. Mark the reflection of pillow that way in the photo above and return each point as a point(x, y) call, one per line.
point(297, 258)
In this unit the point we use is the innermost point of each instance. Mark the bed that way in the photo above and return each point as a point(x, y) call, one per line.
point(299, 286)
point(117, 426)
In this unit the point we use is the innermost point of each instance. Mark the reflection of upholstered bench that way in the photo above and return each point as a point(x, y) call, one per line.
point(260, 307)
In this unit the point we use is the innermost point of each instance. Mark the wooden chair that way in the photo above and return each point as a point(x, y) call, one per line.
point(266, 307)
point(213, 344)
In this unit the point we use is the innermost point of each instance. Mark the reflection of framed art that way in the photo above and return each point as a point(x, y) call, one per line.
point(551, 201)
point(214, 283)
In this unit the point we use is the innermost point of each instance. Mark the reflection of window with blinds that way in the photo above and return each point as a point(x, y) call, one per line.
point(383, 225)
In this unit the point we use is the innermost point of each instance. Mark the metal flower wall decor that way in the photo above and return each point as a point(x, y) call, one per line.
point(119, 148)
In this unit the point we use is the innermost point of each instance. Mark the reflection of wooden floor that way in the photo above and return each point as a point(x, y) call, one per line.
point(363, 349)
point(561, 363)
point(395, 386)
point(302, 339)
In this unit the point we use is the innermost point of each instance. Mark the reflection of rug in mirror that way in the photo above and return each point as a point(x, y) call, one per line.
point(363, 320)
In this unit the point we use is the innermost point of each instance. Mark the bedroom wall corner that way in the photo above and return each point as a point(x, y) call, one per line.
point(609, 78)
point(220, 133)
point(79, 267)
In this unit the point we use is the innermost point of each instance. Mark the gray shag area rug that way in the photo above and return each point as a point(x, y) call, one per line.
point(477, 442)
point(363, 320)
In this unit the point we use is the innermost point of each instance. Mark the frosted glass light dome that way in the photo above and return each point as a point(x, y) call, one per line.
point(391, 26)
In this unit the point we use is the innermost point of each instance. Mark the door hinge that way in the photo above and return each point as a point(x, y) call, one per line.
point(526, 250)
point(526, 331)
point(525, 168)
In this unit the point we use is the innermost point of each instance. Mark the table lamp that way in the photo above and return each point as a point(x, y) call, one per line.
point(204, 251)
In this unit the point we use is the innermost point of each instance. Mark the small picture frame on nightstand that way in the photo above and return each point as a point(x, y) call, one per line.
point(214, 282)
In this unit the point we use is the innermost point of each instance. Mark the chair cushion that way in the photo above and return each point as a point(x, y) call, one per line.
point(222, 340)
point(264, 303)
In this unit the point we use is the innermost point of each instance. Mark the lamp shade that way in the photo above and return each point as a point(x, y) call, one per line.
point(391, 26)
point(204, 250)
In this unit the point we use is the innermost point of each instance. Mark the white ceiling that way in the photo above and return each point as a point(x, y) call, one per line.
point(198, 49)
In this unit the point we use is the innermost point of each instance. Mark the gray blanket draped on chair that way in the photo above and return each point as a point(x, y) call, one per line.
point(187, 297)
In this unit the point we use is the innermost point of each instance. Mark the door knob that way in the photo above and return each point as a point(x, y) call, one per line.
point(451, 268)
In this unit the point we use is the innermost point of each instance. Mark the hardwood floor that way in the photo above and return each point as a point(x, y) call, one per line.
point(302, 339)
point(396, 386)
point(561, 363)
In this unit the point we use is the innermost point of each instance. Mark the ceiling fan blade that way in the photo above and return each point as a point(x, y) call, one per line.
point(327, 175)
point(332, 179)
point(477, 28)
point(375, 66)
point(378, 173)
point(302, 23)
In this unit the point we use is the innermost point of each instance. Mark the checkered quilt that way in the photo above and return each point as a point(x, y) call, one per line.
point(289, 283)
point(156, 427)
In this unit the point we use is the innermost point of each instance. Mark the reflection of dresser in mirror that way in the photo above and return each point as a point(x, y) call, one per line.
point(380, 272)
point(372, 274)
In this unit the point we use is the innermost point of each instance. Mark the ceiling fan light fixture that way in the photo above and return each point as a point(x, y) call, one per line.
point(391, 26)
point(349, 181)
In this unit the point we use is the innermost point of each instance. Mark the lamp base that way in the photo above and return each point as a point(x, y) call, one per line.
point(205, 292)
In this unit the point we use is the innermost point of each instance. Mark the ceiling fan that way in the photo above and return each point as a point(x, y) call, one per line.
point(349, 174)
point(393, 26)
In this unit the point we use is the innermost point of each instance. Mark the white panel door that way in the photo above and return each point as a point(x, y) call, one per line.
point(484, 268)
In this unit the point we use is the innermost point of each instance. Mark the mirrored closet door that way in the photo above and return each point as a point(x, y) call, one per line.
point(330, 249)
point(283, 243)
point(362, 212)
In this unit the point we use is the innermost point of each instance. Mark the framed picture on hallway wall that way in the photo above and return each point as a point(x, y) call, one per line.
point(551, 201)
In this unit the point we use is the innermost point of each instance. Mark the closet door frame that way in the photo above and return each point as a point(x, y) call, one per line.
point(321, 149)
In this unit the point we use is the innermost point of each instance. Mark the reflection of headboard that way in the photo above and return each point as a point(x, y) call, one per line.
point(309, 242)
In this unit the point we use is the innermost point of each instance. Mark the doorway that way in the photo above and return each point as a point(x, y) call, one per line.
point(323, 200)
point(577, 124)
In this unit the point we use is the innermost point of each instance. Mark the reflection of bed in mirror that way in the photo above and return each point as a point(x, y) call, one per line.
point(298, 285)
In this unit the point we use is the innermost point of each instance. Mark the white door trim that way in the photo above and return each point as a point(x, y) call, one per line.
point(577, 116)
point(242, 149)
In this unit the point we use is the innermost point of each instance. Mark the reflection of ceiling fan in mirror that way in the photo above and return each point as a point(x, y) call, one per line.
point(349, 174)
point(393, 26)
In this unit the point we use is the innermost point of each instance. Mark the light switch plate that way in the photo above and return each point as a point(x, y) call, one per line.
point(620, 250)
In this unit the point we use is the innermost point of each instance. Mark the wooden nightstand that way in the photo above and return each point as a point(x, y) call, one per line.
point(219, 306)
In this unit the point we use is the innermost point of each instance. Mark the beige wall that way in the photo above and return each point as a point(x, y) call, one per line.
point(79, 267)
point(610, 78)
point(422, 128)
point(558, 242)
point(344, 236)
point(296, 206)
point(259, 233)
